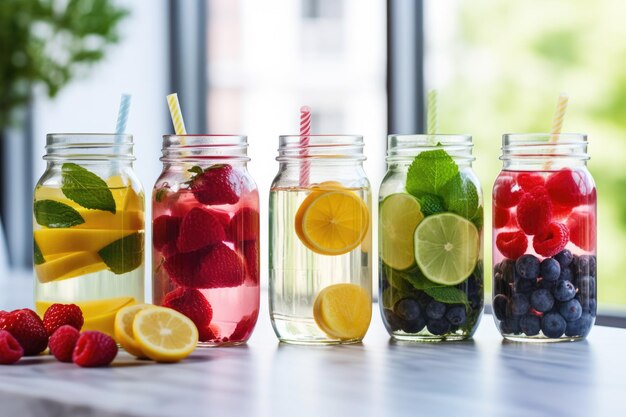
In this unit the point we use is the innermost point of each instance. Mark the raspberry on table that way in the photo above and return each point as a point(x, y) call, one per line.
point(10, 349)
point(94, 349)
point(552, 240)
point(512, 244)
point(62, 342)
point(58, 315)
point(534, 211)
point(27, 328)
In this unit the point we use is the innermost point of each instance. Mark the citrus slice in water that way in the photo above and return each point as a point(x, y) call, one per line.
point(343, 311)
point(446, 248)
point(399, 216)
point(164, 335)
point(124, 328)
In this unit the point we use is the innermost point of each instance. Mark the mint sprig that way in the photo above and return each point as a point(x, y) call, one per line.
point(448, 295)
point(461, 196)
point(37, 255)
point(54, 214)
point(86, 188)
point(123, 255)
point(429, 172)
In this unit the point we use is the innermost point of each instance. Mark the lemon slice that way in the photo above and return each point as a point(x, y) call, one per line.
point(124, 328)
point(399, 216)
point(332, 222)
point(164, 335)
point(446, 248)
point(343, 311)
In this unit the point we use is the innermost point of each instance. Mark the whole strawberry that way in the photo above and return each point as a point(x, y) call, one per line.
point(217, 184)
point(10, 349)
point(191, 303)
point(94, 349)
point(27, 328)
point(58, 315)
point(62, 343)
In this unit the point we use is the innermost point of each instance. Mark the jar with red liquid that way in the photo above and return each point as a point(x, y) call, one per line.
point(544, 233)
point(205, 236)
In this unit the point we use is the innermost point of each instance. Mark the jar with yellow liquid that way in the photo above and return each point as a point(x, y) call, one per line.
point(88, 218)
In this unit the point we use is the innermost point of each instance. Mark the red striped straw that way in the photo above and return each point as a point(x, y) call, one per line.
point(305, 132)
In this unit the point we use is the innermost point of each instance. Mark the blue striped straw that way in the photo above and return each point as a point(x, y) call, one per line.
point(122, 115)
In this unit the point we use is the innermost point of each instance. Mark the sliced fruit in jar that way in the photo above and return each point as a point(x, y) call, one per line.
point(122, 219)
point(124, 328)
point(165, 335)
point(446, 248)
point(333, 222)
point(53, 241)
point(69, 265)
point(124, 195)
point(316, 191)
point(399, 216)
point(343, 311)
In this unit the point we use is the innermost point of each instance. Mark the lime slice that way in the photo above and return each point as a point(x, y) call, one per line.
point(446, 248)
point(399, 216)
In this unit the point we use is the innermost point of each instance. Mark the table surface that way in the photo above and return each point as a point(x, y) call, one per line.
point(380, 377)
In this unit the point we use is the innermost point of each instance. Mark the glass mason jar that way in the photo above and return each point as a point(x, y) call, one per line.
point(320, 241)
point(544, 234)
point(89, 227)
point(205, 236)
point(430, 239)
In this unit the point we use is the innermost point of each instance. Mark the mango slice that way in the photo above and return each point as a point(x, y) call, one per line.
point(69, 266)
point(98, 219)
point(54, 241)
point(125, 197)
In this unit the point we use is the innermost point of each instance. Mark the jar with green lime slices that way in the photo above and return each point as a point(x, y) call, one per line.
point(430, 239)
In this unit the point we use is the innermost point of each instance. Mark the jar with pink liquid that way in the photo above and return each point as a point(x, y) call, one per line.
point(544, 234)
point(205, 236)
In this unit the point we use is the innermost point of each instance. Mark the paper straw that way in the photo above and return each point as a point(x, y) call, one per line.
point(433, 119)
point(557, 124)
point(177, 116)
point(122, 114)
point(305, 132)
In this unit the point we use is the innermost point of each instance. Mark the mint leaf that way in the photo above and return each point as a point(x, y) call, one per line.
point(431, 204)
point(391, 296)
point(160, 195)
point(478, 218)
point(419, 281)
point(448, 295)
point(429, 172)
point(461, 196)
point(397, 279)
point(124, 254)
point(195, 170)
point(37, 255)
point(53, 214)
point(86, 188)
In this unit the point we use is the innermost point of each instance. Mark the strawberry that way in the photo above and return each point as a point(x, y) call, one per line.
point(552, 240)
point(569, 188)
point(199, 229)
point(209, 333)
point(221, 267)
point(244, 225)
point(62, 343)
point(512, 244)
point(182, 267)
point(27, 328)
point(165, 230)
point(506, 194)
point(3, 313)
point(58, 315)
point(582, 229)
point(534, 211)
point(191, 303)
point(250, 249)
point(216, 185)
point(244, 328)
point(10, 349)
point(94, 349)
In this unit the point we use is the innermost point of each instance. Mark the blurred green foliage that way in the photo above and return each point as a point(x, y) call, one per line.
point(47, 42)
point(510, 62)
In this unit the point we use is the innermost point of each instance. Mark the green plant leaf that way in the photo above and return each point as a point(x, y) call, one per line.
point(37, 255)
point(397, 279)
point(160, 195)
point(431, 204)
point(391, 296)
point(86, 188)
point(429, 172)
point(196, 170)
point(419, 281)
point(123, 255)
point(448, 295)
point(53, 214)
point(461, 196)
point(478, 218)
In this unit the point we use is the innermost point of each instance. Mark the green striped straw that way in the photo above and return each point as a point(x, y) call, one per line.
point(432, 124)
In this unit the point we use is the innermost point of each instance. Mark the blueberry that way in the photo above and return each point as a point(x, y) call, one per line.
point(407, 309)
point(508, 271)
point(564, 291)
point(499, 306)
point(435, 310)
point(550, 269)
point(414, 326)
point(542, 300)
point(579, 327)
point(530, 324)
point(519, 304)
point(512, 325)
point(498, 283)
point(547, 285)
point(527, 267)
point(566, 274)
point(438, 327)
point(524, 285)
point(553, 325)
point(497, 267)
point(456, 315)
point(586, 265)
point(564, 258)
point(392, 320)
point(571, 310)
point(586, 286)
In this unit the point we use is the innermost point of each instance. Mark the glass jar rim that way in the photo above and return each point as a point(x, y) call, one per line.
point(541, 139)
point(535, 146)
point(96, 147)
point(201, 148)
point(326, 147)
point(88, 139)
point(403, 148)
point(427, 139)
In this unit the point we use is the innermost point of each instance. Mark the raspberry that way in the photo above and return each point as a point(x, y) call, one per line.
point(569, 188)
point(62, 343)
point(94, 349)
point(191, 303)
point(209, 333)
point(528, 180)
point(244, 328)
point(582, 229)
point(244, 225)
point(218, 184)
point(58, 315)
point(165, 230)
point(506, 194)
point(512, 244)
point(552, 240)
point(250, 249)
point(10, 349)
point(501, 217)
point(27, 328)
point(199, 229)
point(534, 211)
point(221, 267)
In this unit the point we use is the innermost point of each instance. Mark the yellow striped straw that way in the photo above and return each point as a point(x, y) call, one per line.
point(433, 117)
point(559, 115)
point(177, 116)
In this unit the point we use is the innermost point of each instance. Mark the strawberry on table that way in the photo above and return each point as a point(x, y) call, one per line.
point(58, 315)
point(27, 328)
point(216, 185)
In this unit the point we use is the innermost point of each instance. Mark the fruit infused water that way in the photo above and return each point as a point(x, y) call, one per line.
point(320, 242)
point(205, 236)
point(544, 229)
point(430, 239)
point(89, 227)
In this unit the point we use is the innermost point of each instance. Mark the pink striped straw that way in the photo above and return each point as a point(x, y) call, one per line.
point(305, 132)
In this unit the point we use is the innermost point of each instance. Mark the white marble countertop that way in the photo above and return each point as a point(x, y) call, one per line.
point(483, 377)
